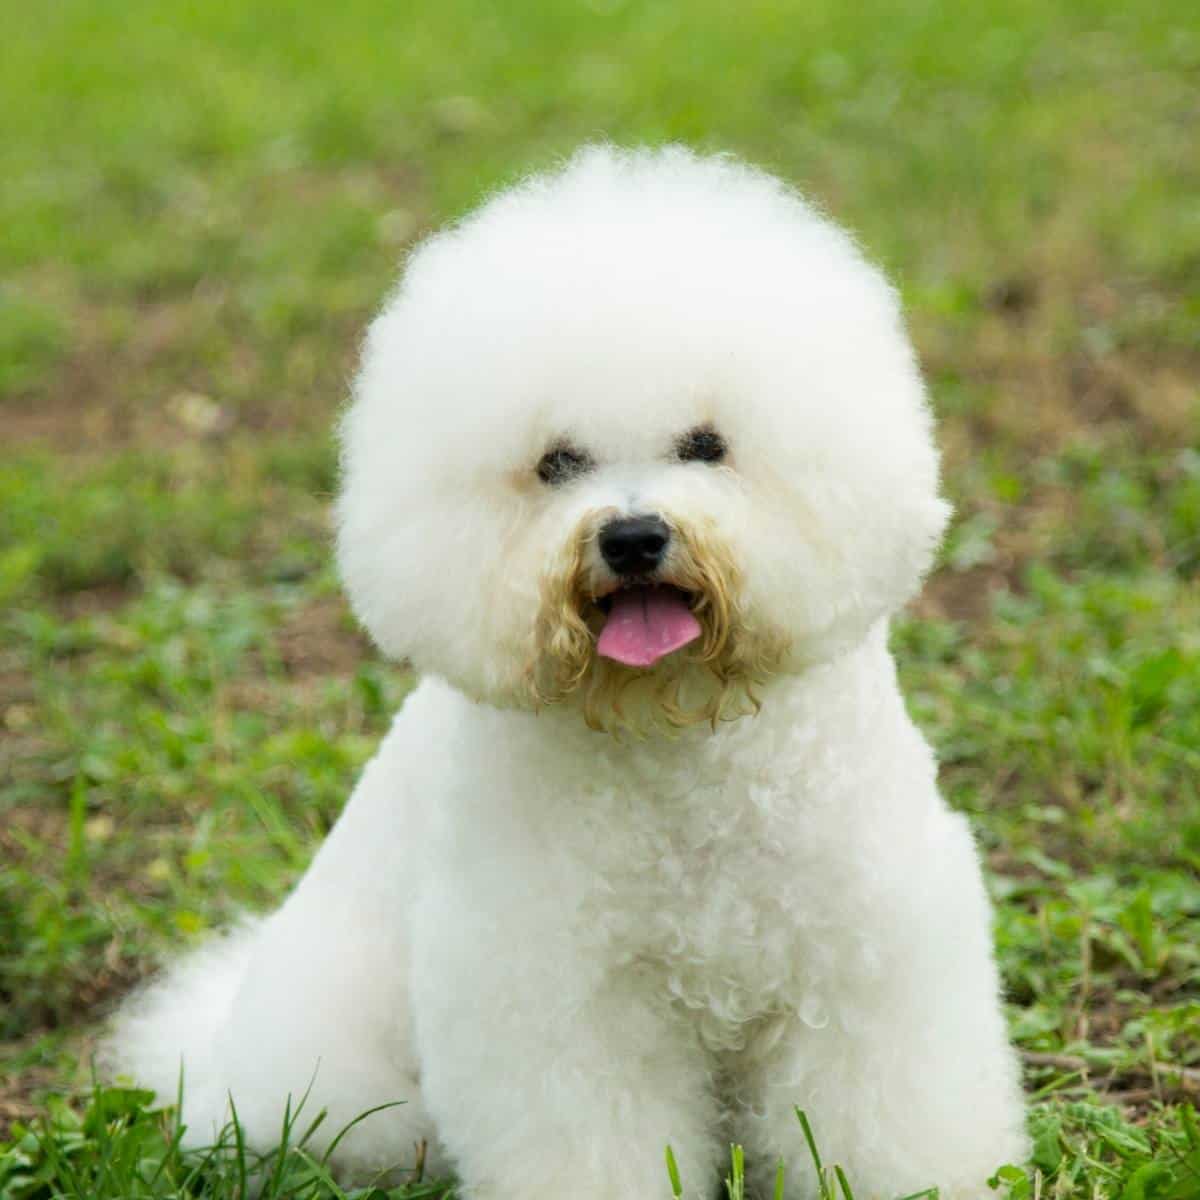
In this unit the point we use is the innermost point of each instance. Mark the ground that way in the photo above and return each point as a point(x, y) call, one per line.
point(201, 206)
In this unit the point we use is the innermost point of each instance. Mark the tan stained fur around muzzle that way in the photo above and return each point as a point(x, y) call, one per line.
point(711, 680)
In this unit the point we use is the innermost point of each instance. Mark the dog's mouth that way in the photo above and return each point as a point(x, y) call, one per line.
point(644, 622)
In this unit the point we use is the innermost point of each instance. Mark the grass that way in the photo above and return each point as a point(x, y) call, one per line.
point(203, 204)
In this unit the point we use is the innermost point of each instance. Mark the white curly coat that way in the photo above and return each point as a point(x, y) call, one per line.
point(564, 949)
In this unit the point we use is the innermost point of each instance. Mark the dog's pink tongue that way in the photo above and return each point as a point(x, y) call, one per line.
point(646, 624)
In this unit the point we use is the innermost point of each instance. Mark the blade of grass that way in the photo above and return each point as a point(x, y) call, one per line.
point(735, 1185)
point(843, 1182)
point(361, 1117)
point(673, 1174)
point(822, 1181)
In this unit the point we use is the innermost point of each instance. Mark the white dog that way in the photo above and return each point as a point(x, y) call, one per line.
point(637, 469)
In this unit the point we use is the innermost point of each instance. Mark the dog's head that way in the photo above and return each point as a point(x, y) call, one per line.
point(636, 436)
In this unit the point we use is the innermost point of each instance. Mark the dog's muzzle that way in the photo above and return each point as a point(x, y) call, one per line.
point(644, 618)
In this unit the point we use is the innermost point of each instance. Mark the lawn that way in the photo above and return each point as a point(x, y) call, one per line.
point(201, 206)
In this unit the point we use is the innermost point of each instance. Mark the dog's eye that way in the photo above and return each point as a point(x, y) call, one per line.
point(702, 444)
point(561, 463)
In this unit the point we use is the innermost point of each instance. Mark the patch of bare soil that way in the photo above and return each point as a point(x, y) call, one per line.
point(1137, 1090)
point(20, 1093)
point(23, 1091)
point(153, 387)
point(161, 366)
point(962, 595)
point(1052, 361)
point(109, 397)
point(321, 639)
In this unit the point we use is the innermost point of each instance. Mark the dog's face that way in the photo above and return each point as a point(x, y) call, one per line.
point(636, 437)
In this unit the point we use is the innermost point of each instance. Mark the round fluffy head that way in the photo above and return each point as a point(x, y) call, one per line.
point(646, 334)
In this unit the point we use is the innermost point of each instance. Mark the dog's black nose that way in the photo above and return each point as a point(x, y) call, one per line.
point(634, 545)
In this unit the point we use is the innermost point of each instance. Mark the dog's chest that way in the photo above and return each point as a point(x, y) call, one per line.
point(697, 895)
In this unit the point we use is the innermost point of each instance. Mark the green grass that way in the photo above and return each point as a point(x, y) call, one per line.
point(201, 206)
point(120, 1148)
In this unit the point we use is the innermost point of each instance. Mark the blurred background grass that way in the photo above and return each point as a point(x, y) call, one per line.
point(202, 204)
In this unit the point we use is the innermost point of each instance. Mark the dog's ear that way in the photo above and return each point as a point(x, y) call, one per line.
point(435, 543)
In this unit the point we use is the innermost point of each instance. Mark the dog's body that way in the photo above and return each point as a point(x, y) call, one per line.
point(593, 896)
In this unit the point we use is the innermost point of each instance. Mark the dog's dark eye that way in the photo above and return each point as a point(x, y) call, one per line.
point(702, 444)
point(561, 463)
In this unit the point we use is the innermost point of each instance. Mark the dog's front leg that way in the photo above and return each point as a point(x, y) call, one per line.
point(548, 1076)
point(904, 1067)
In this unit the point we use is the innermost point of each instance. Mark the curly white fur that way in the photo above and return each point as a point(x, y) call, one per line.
point(562, 948)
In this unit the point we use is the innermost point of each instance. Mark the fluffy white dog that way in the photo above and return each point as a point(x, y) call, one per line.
point(638, 466)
